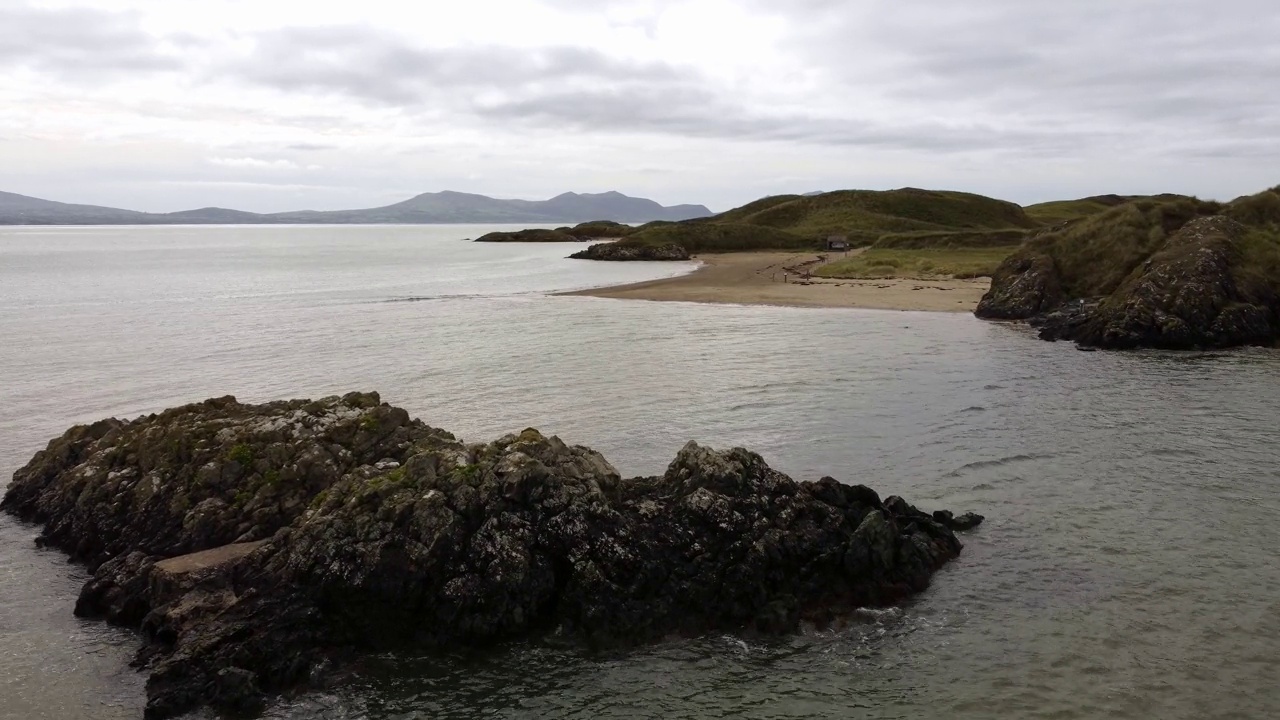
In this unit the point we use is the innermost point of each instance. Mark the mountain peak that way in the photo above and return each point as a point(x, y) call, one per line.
point(447, 206)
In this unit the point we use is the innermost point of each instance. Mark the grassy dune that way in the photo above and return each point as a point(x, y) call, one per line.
point(918, 263)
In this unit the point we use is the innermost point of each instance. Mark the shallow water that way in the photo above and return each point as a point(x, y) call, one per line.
point(1127, 568)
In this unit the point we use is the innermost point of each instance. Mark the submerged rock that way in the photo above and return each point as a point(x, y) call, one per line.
point(622, 251)
point(258, 546)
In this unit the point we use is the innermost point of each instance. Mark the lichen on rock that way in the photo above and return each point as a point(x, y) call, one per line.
point(257, 546)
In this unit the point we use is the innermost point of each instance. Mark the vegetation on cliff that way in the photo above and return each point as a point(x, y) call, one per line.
point(875, 262)
point(903, 218)
point(1168, 271)
point(261, 547)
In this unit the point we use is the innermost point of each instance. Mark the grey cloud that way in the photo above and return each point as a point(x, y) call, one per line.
point(376, 66)
point(572, 87)
point(701, 114)
point(78, 43)
point(1173, 73)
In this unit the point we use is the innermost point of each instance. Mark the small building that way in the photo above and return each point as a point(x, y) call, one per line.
point(838, 242)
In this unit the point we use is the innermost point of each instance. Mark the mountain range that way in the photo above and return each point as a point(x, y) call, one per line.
point(440, 207)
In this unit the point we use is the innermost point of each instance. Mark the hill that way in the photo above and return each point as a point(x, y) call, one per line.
point(441, 207)
point(907, 218)
point(865, 215)
point(1162, 271)
point(1058, 211)
point(22, 210)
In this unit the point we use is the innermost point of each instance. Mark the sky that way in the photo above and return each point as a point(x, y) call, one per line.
point(271, 105)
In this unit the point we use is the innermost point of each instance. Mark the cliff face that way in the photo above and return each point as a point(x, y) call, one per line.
point(258, 547)
point(1176, 276)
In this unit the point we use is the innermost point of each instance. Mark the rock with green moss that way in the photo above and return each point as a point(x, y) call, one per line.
point(1172, 274)
point(273, 542)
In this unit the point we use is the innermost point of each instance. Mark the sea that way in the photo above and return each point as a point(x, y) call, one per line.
point(1129, 566)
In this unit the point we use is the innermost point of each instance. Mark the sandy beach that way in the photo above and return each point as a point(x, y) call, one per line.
point(756, 278)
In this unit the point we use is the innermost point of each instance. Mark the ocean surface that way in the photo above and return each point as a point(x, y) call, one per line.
point(1129, 566)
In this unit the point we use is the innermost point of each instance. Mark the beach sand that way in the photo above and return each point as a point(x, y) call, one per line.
point(756, 278)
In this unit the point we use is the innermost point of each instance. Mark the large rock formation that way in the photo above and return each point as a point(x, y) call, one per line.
point(259, 547)
point(535, 235)
point(621, 251)
point(1182, 275)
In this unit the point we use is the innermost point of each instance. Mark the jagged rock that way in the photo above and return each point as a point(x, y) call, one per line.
point(1185, 296)
point(1194, 291)
point(380, 532)
point(621, 251)
point(1023, 286)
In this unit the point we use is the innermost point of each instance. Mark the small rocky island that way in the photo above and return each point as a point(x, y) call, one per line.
point(582, 232)
point(260, 548)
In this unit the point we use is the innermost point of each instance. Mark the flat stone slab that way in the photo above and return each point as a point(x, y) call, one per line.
point(205, 559)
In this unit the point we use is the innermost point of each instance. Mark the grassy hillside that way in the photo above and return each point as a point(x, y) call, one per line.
point(952, 239)
point(865, 215)
point(1096, 253)
point(900, 218)
point(876, 262)
point(1060, 211)
point(1165, 272)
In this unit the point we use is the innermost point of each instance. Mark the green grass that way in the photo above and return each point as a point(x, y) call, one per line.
point(1095, 254)
point(865, 215)
point(740, 214)
point(1259, 263)
point(1060, 211)
point(918, 263)
point(1262, 209)
point(242, 454)
point(597, 229)
point(952, 239)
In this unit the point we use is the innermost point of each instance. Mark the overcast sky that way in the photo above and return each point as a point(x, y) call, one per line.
point(273, 105)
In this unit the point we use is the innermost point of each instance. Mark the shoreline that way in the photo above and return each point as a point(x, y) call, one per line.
point(756, 278)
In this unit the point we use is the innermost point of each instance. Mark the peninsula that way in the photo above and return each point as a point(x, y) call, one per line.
point(1110, 271)
point(263, 548)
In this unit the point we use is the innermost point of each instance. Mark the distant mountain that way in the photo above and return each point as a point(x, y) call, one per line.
point(440, 207)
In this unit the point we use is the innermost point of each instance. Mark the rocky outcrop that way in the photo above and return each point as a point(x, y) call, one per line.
point(258, 548)
point(1023, 286)
point(527, 236)
point(621, 251)
point(1196, 290)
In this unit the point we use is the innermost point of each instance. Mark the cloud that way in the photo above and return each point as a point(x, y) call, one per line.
point(79, 43)
point(256, 163)
point(725, 98)
point(382, 67)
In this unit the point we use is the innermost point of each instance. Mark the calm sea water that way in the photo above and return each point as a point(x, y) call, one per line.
point(1128, 567)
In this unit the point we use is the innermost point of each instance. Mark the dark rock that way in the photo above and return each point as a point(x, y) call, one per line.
point(622, 251)
point(1193, 292)
point(533, 235)
point(1025, 285)
point(967, 521)
point(378, 532)
point(1184, 297)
